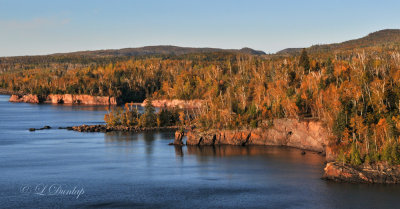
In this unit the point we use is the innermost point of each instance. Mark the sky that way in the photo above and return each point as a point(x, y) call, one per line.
point(49, 26)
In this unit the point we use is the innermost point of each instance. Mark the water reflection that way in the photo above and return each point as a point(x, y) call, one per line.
point(144, 139)
point(284, 154)
point(120, 137)
point(74, 107)
point(149, 138)
point(83, 107)
point(178, 150)
point(121, 142)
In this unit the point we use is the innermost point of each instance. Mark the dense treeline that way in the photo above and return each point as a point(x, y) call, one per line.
point(65, 62)
point(129, 81)
point(355, 93)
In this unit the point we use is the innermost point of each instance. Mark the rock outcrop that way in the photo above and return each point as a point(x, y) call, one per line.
point(43, 128)
point(376, 173)
point(306, 134)
point(65, 99)
point(179, 137)
point(176, 103)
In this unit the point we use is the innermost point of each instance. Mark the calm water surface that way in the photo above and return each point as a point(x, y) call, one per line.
point(117, 170)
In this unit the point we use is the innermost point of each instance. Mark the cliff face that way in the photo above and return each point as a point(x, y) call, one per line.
point(80, 99)
point(309, 135)
point(28, 98)
point(189, 104)
point(65, 99)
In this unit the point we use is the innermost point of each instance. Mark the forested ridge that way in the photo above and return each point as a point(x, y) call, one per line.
point(389, 38)
point(355, 93)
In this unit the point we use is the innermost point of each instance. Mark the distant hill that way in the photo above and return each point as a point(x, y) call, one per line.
point(290, 51)
point(247, 50)
point(158, 50)
point(85, 58)
point(380, 38)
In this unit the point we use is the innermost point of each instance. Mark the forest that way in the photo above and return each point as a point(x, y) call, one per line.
point(355, 93)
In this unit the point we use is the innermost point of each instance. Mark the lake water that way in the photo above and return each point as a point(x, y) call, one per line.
point(63, 169)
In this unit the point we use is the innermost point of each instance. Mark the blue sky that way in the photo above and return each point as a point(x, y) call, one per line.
point(48, 26)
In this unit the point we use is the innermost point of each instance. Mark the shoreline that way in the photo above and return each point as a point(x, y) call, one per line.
point(105, 128)
point(6, 92)
point(85, 99)
point(64, 99)
point(289, 133)
point(377, 173)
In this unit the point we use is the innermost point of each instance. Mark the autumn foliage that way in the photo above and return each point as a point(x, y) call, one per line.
point(355, 93)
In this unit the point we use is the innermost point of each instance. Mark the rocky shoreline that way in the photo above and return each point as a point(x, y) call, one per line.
point(64, 99)
point(380, 173)
point(303, 134)
point(105, 128)
point(96, 100)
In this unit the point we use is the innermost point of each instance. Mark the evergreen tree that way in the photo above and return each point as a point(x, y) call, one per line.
point(149, 118)
point(149, 108)
point(329, 67)
point(304, 61)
